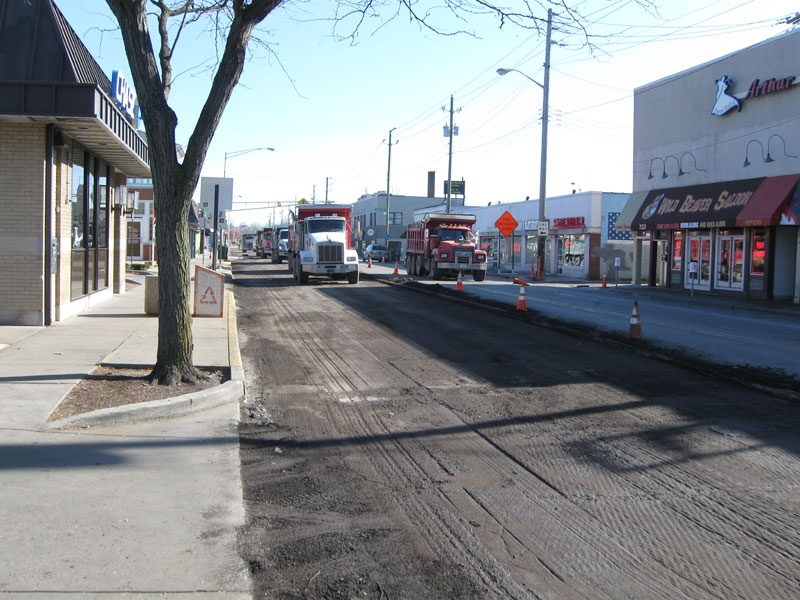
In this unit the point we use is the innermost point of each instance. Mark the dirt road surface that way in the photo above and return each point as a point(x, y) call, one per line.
point(399, 446)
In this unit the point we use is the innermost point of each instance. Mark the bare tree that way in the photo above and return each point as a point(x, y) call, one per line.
point(234, 22)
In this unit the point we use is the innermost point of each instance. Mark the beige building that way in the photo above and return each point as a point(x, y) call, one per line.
point(68, 141)
point(716, 167)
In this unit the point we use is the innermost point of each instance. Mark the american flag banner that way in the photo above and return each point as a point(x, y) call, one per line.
point(612, 234)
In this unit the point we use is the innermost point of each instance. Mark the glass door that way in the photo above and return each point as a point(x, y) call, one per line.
point(698, 265)
point(729, 271)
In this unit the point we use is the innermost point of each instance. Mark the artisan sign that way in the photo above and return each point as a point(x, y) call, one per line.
point(726, 102)
point(702, 206)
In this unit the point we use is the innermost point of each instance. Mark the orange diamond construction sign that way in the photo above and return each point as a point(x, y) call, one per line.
point(506, 224)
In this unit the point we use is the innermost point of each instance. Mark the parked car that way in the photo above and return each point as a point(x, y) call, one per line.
point(376, 252)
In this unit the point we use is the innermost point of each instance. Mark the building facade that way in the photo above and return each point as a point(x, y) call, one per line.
point(370, 218)
point(67, 146)
point(716, 167)
point(581, 240)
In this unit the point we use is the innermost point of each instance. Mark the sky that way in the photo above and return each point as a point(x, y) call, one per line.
point(327, 106)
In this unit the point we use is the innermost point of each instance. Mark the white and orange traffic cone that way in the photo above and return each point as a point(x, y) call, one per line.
point(521, 304)
point(383, 260)
point(518, 281)
point(396, 268)
point(369, 264)
point(604, 281)
point(459, 282)
point(635, 330)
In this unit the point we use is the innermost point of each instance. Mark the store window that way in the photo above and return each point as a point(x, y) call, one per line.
point(90, 218)
point(759, 258)
point(677, 250)
point(78, 229)
point(395, 218)
point(571, 250)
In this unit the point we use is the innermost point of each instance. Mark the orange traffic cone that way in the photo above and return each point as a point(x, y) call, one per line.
point(604, 281)
point(460, 282)
point(635, 330)
point(369, 265)
point(521, 304)
point(518, 281)
point(383, 260)
point(396, 268)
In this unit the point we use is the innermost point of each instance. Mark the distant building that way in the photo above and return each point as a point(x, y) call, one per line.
point(369, 216)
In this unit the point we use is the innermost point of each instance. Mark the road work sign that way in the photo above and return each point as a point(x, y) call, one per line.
point(209, 290)
point(506, 224)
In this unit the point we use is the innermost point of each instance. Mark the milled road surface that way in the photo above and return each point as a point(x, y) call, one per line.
point(396, 445)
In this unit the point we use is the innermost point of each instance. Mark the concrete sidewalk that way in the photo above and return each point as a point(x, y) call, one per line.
point(126, 504)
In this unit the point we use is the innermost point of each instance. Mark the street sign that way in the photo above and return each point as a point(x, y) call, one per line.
point(542, 227)
point(506, 224)
point(456, 188)
point(370, 232)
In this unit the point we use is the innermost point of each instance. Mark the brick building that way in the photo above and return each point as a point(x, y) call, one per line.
point(67, 146)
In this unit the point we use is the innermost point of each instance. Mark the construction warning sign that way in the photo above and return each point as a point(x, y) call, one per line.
point(209, 292)
point(506, 224)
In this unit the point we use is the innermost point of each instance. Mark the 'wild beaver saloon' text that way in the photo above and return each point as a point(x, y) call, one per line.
point(662, 208)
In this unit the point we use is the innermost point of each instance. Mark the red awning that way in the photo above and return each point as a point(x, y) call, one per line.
point(767, 204)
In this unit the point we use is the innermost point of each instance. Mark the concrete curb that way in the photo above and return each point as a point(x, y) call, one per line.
point(157, 409)
point(178, 406)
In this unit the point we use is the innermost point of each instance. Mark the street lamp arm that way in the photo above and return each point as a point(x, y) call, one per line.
point(504, 71)
point(236, 153)
point(240, 152)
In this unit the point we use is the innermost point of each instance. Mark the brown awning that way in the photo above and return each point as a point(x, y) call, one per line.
point(768, 203)
point(702, 206)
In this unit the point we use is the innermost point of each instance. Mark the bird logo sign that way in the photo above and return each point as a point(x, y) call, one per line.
point(725, 101)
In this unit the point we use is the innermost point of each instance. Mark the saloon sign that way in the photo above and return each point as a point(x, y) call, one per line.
point(702, 206)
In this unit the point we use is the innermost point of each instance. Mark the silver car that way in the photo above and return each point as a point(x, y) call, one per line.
point(376, 252)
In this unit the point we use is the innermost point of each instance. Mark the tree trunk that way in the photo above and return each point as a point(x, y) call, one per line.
point(172, 200)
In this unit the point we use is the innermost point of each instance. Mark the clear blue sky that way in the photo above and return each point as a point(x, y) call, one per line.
point(327, 106)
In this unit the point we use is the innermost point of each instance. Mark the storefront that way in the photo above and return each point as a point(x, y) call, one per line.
point(68, 141)
point(576, 248)
point(716, 156)
point(581, 242)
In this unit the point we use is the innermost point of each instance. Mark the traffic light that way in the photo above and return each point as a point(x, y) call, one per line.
point(279, 203)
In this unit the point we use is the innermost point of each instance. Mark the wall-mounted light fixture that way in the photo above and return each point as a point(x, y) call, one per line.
point(747, 153)
point(675, 158)
point(769, 141)
point(663, 167)
point(681, 172)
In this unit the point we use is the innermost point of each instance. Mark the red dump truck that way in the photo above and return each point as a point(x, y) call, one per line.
point(444, 244)
point(321, 243)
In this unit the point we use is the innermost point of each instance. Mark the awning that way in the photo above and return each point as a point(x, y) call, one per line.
point(769, 203)
point(696, 207)
point(630, 210)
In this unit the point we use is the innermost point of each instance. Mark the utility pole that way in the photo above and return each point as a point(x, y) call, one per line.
point(388, 179)
point(326, 190)
point(451, 131)
point(543, 167)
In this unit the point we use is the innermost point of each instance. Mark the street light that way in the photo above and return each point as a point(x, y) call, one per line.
point(236, 153)
point(543, 166)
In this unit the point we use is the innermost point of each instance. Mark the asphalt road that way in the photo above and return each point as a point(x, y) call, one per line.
point(399, 445)
point(726, 331)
